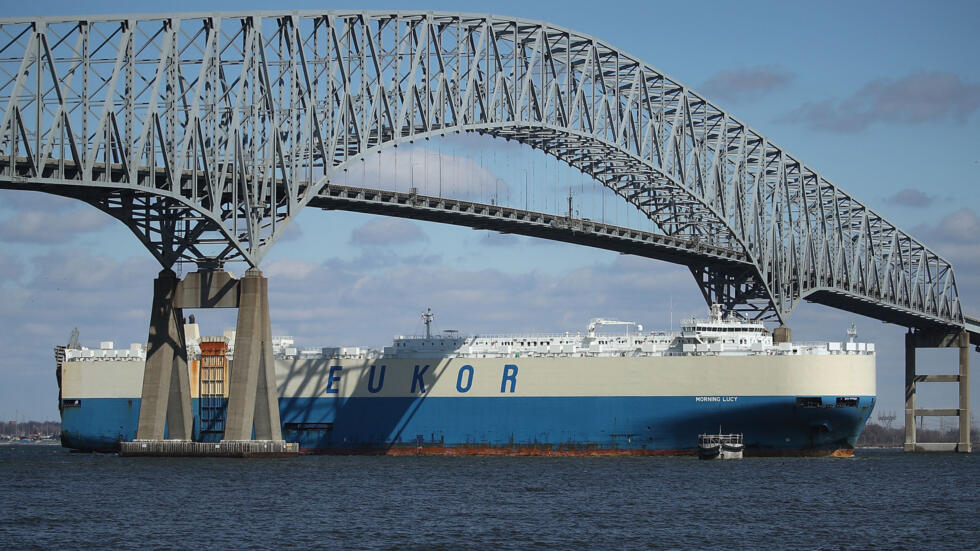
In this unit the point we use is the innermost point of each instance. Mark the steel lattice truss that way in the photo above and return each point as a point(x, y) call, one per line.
point(206, 133)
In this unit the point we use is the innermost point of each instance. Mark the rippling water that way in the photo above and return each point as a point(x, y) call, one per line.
point(50, 498)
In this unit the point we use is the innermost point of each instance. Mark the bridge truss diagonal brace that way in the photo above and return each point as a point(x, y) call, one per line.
point(166, 397)
point(738, 290)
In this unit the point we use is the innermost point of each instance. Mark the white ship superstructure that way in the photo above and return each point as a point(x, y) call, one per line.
point(715, 336)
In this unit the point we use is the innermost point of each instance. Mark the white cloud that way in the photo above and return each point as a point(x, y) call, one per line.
point(917, 98)
point(387, 231)
point(51, 226)
point(292, 232)
point(11, 269)
point(431, 171)
point(954, 237)
point(288, 268)
point(338, 302)
point(746, 82)
point(105, 298)
point(16, 199)
point(497, 239)
point(909, 197)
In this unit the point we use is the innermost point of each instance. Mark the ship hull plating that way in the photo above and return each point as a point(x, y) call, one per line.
point(784, 405)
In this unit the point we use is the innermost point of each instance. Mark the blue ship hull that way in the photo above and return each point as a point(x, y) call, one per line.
point(646, 425)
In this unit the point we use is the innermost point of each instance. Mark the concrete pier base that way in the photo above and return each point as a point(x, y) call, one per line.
point(253, 405)
point(938, 339)
point(225, 448)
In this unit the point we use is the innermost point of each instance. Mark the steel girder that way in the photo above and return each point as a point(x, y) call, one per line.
point(206, 133)
point(525, 222)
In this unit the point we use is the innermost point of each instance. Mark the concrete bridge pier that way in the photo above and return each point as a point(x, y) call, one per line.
point(166, 397)
point(252, 396)
point(937, 339)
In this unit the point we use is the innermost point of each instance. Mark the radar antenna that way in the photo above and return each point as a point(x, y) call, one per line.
point(427, 318)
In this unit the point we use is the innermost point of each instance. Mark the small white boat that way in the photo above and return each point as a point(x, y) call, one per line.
point(720, 446)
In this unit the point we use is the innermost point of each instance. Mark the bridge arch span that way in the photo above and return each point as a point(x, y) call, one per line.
point(240, 119)
point(634, 181)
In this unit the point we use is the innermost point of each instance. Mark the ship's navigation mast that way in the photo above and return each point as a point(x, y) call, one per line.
point(427, 318)
point(73, 341)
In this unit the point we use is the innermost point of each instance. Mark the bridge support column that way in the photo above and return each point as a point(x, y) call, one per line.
point(252, 397)
point(938, 339)
point(910, 391)
point(166, 396)
point(782, 334)
point(964, 445)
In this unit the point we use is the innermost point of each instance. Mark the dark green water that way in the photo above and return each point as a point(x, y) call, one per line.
point(52, 499)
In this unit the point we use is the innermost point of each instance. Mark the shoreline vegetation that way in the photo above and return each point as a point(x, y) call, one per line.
point(886, 436)
point(35, 430)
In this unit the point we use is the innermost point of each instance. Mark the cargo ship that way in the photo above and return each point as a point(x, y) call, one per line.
point(610, 390)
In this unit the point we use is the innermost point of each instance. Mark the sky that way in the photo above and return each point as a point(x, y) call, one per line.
point(882, 98)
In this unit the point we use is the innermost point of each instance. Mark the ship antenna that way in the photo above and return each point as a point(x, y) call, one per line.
point(73, 340)
point(852, 332)
point(427, 320)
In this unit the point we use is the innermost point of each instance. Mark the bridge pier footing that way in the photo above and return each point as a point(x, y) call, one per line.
point(253, 405)
point(937, 339)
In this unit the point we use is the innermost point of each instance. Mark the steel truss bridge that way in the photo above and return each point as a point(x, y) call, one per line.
point(206, 133)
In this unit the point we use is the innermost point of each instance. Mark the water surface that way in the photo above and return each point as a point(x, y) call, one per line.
point(50, 498)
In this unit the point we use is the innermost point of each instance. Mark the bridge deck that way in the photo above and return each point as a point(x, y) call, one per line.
point(972, 326)
point(555, 227)
point(476, 215)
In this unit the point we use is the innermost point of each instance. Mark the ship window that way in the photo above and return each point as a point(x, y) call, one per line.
point(847, 402)
point(809, 402)
point(71, 403)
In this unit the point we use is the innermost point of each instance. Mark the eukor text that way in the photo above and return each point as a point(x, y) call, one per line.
point(465, 376)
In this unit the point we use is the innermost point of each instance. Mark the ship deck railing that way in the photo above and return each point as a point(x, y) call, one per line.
point(719, 439)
